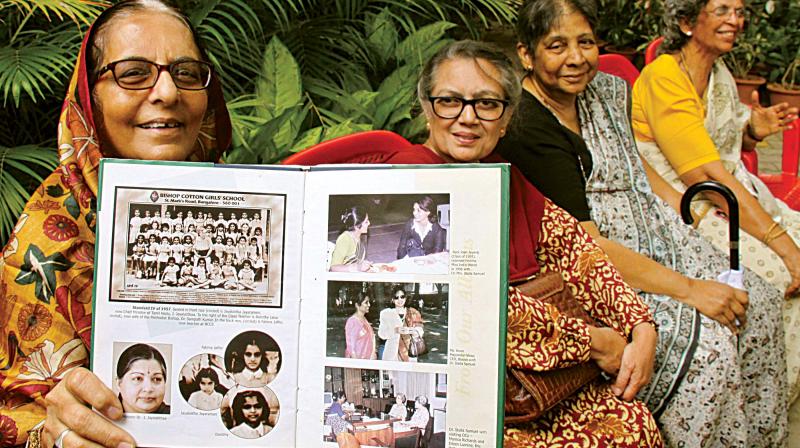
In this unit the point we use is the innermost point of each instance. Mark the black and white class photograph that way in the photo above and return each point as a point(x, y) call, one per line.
point(388, 321)
point(389, 233)
point(200, 248)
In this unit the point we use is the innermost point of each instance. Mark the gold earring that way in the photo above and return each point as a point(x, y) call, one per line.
point(689, 33)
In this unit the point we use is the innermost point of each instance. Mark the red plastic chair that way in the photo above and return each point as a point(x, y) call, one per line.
point(361, 147)
point(786, 185)
point(651, 52)
point(615, 64)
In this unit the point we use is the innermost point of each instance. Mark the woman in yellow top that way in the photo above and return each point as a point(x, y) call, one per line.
point(150, 97)
point(691, 127)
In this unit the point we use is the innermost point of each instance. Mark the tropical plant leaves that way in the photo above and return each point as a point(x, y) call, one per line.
point(31, 69)
point(279, 86)
point(20, 169)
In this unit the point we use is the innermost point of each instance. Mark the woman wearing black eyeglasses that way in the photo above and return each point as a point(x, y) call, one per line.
point(398, 324)
point(142, 89)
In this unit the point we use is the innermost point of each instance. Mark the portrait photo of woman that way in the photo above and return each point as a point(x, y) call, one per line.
point(141, 379)
point(250, 413)
point(253, 358)
point(422, 234)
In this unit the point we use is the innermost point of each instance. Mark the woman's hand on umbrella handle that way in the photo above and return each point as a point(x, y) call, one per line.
point(67, 408)
point(636, 367)
point(718, 301)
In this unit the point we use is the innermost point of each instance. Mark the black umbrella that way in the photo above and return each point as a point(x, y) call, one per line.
point(733, 213)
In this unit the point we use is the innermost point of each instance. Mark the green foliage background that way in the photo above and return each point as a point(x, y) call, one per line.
point(295, 72)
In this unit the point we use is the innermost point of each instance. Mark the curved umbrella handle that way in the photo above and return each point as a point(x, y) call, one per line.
point(733, 213)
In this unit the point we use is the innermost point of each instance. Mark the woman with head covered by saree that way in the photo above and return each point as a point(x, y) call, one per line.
point(468, 92)
point(572, 139)
point(141, 90)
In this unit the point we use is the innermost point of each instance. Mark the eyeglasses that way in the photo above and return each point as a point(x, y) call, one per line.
point(400, 296)
point(252, 354)
point(486, 109)
point(138, 74)
point(248, 407)
point(723, 12)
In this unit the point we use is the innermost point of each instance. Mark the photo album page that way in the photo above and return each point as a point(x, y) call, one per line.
point(295, 306)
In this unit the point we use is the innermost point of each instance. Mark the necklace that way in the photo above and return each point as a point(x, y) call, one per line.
point(558, 118)
point(686, 69)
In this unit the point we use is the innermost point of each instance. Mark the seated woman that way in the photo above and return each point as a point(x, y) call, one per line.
point(422, 235)
point(350, 252)
point(468, 91)
point(124, 129)
point(142, 380)
point(572, 140)
point(690, 126)
point(421, 414)
point(399, 409)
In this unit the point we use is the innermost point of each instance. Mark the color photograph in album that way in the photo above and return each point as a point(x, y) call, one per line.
point(198, 247)
point(385, 407)
point(389, 233)
point(388, 321)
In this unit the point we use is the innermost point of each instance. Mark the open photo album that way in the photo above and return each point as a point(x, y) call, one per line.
point(293, 306)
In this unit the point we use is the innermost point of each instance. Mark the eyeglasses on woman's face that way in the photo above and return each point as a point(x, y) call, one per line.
point(140, 74)
point(486, 109)
point(725, 11)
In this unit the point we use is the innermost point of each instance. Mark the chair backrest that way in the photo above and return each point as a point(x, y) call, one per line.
point(791, 150)
point(426, 436)
point(615, 64)
point(652, 50)
point(361, 147)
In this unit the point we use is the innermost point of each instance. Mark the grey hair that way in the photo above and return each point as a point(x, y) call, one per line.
point(470, 49)
point(536, 18)
point(675, 12)
point(127, 8)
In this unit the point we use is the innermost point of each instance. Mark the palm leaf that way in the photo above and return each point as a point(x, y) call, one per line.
point(79, 11)
point(33, 70)
point(20, 169)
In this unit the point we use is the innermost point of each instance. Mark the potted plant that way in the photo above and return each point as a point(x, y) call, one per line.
point(784, 55)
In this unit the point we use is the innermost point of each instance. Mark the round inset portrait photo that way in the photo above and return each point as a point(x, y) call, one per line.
point(141, 377)
point(253, 359)
point(250, 413)
point(204, 381)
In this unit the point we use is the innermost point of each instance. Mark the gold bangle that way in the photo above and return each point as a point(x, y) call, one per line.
point(766, 238)
point(776, 235)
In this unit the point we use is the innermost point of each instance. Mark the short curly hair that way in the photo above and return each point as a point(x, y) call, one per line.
point(675, 12)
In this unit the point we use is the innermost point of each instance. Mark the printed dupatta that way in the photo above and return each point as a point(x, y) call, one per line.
point(47, 266)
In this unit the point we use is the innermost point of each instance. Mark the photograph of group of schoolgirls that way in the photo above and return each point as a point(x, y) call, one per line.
point(190, 247)
point(236, 385)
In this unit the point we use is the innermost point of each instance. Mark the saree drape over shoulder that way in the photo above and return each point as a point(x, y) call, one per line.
point(47, 266)
point(546, 238)
point(664, 92)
